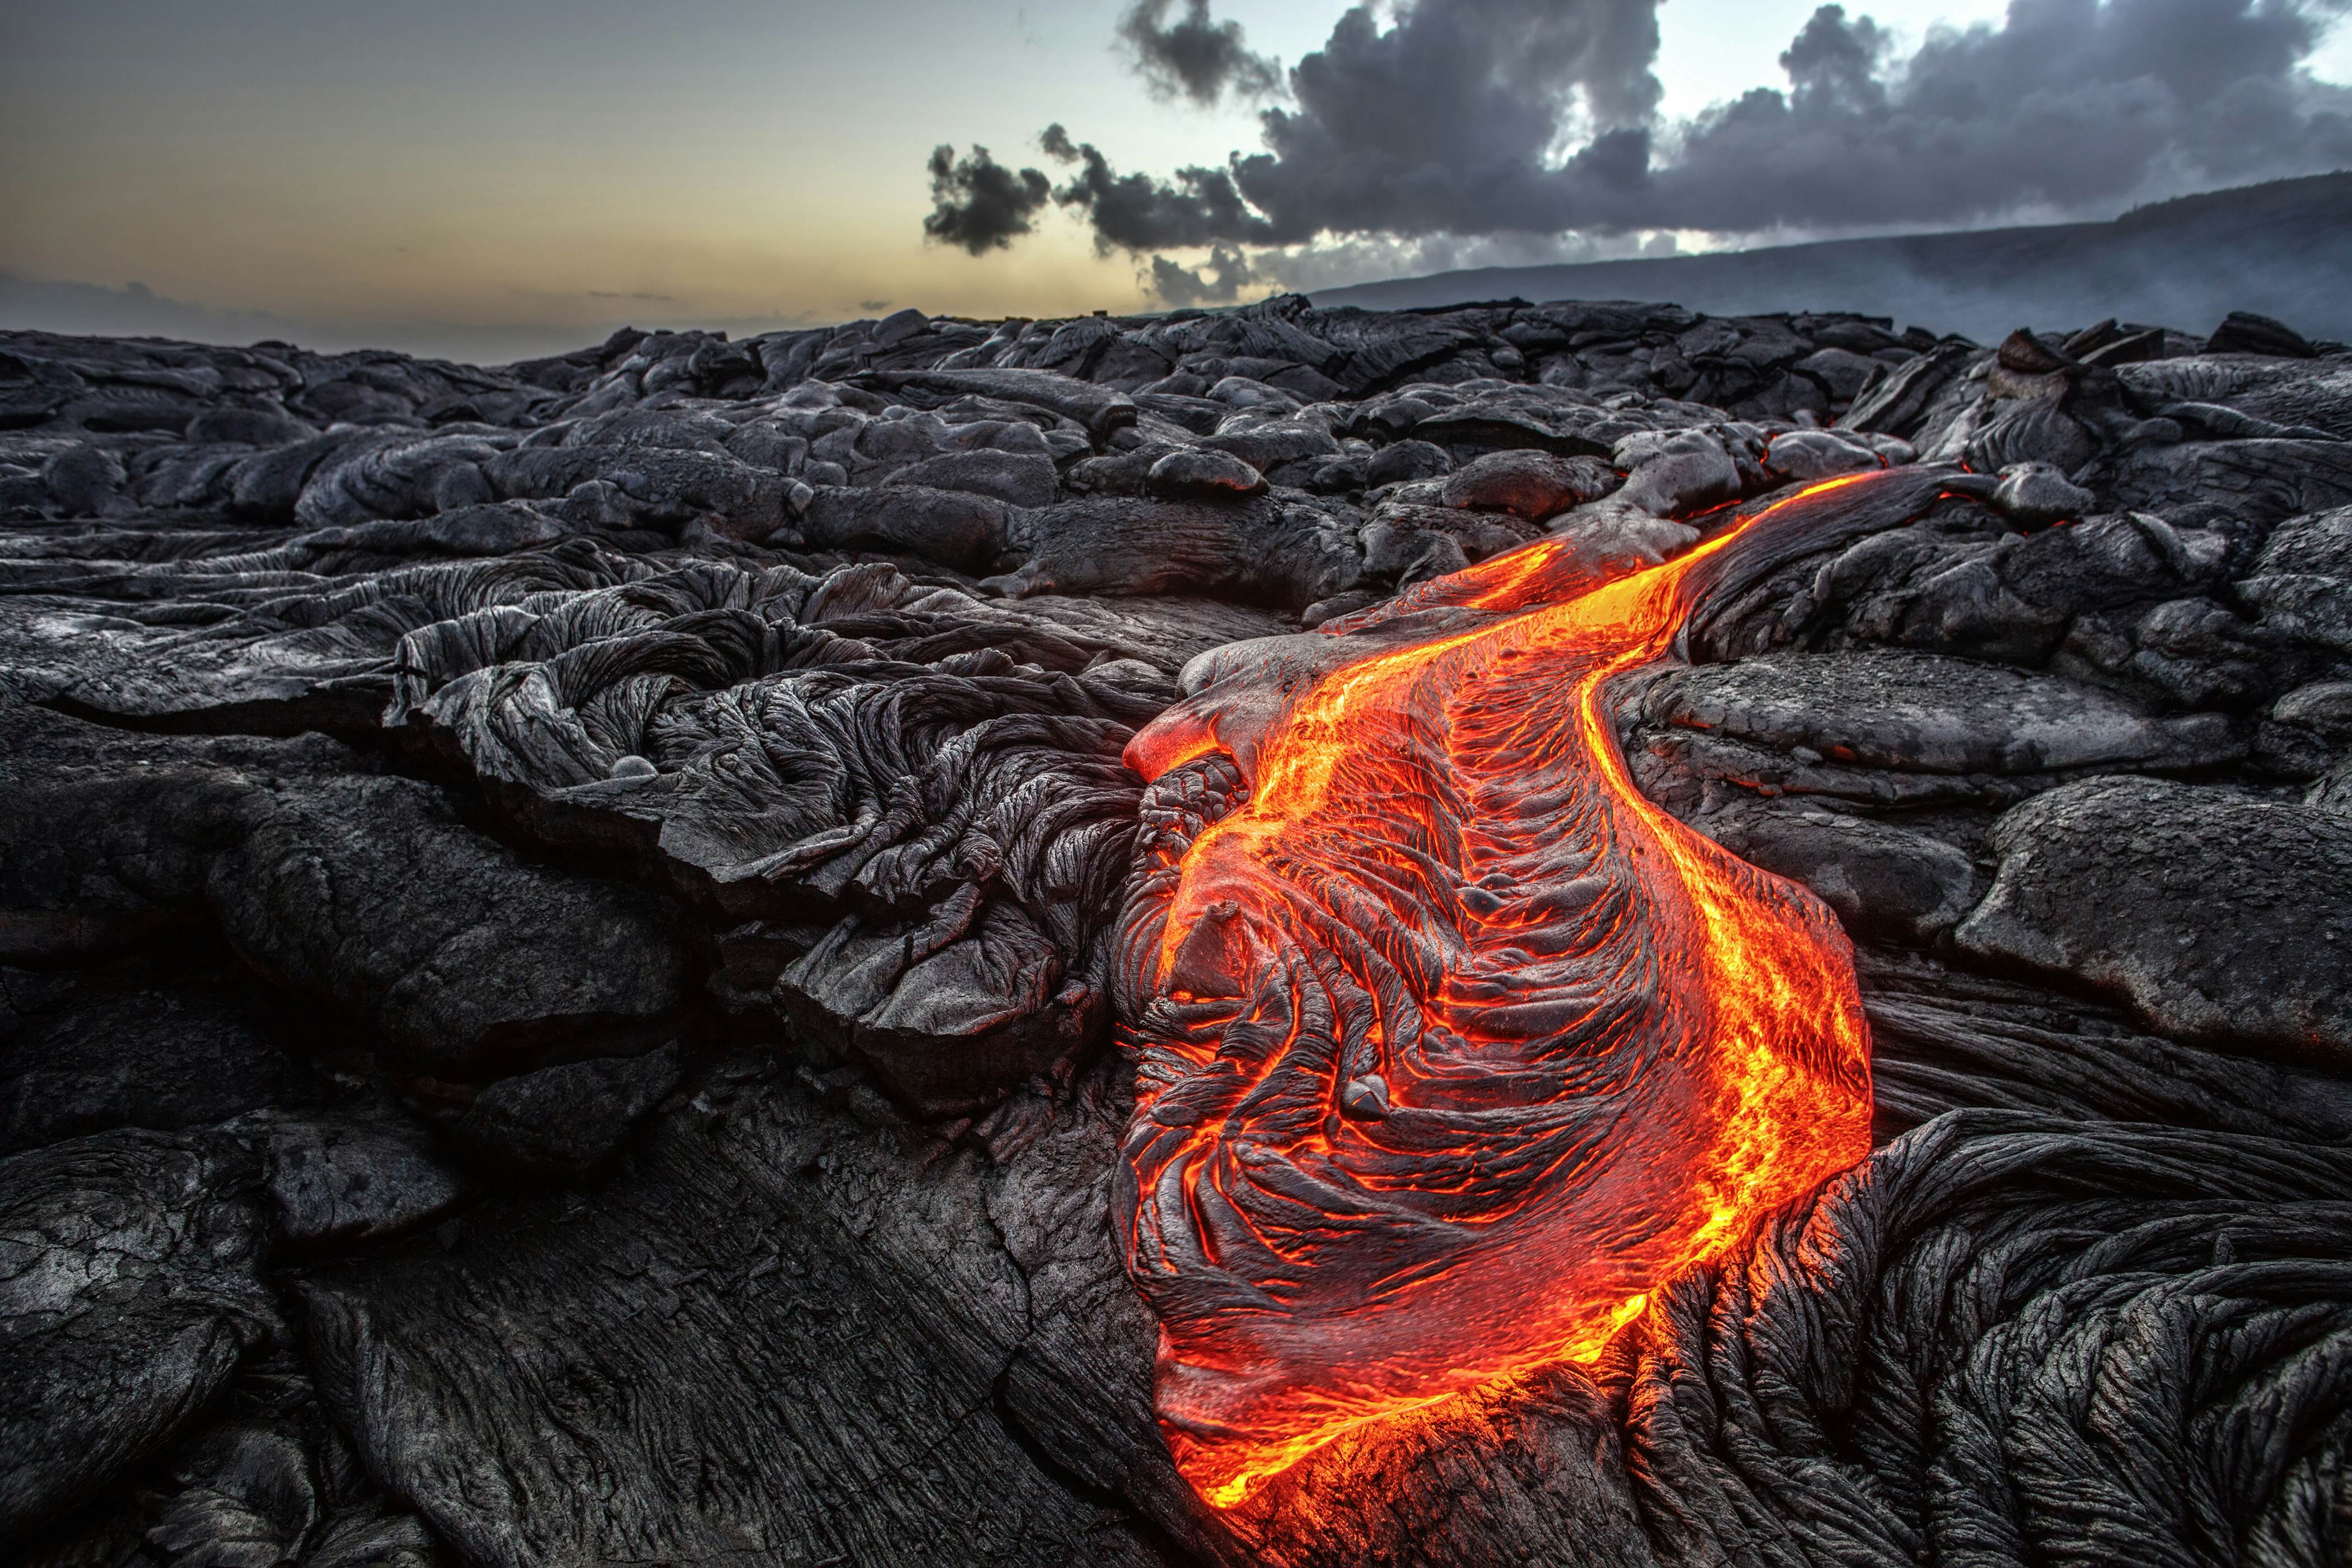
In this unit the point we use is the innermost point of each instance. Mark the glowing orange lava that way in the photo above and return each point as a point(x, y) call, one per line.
point(1451, 1047)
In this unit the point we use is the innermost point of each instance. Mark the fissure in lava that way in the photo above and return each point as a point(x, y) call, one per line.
point(1451, 1047)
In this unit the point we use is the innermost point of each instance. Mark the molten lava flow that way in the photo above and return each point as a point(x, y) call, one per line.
point(1452, 1047)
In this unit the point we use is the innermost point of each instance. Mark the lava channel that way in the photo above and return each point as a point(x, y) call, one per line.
point(1451, 1047)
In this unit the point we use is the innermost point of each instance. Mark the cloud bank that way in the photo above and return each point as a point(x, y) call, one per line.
point(1454, 121)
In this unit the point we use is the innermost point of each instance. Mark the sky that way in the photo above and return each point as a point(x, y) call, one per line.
point(488, 178)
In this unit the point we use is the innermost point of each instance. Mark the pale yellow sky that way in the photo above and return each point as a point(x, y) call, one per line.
point(448, 162)
point(569, 164)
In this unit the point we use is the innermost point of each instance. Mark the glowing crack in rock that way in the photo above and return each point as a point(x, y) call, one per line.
point(1450, 1046)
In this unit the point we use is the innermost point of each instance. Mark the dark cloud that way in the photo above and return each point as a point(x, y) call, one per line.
point(1448, 120)
point(616, 294)
point(1192, 55)
point(978, 203)
point(1834, 62)
point(1436, 122)
point(1137, 212)
point(1479, 118)
point(2069, 104)
point(1217, 282)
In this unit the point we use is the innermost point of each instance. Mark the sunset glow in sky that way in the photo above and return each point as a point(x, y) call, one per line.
point(517, 174)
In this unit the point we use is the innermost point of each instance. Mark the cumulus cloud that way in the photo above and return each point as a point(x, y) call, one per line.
point(2068, 103)
point(1487, 118)
point(1436, 121)
point(1138, 213)
point(1193, 56)
point(978, 203)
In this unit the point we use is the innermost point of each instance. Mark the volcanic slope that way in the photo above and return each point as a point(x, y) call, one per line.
point(2283, 248)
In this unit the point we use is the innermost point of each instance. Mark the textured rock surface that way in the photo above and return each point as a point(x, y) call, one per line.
point(2221, 916)
point(557, 928)
point(129, 1296)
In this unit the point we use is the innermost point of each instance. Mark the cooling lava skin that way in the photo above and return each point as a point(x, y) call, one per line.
point(1451, 1047)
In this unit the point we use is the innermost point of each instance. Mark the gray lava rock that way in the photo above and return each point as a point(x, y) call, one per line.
point(1398, 533)
point(2324, 706)
point(350, 1177)
point(1262, 549)
point(2036, 495)
point(374, 1537)
point(106, 838)
point(248, 427)
point(493, 529)
point(2286, 393)
point(1204, 475)
point(373, 894)
point(258, 1489)
point(2302, 582)
point(2252, 483)
point(1241, 391)
point(1406, 460)
point(1841, 372)
point(2223, 916)
point(128, 1295)
point(2244, 333)
point(1886, 882)
point(1615, 537)
point(955, 527)
point(565, 1120)
point(1676, 474)
point(1532, 485)
point(1923, 713)
point(1016, 478)
point(1270, 445)
point(1901, 402)
point(2075, 1335)
point(1806, 457)
point(82, 1053)
point(2307, 730)
point(832, 1257)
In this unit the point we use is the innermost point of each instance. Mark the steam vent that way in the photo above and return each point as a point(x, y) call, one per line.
point(1564, 933)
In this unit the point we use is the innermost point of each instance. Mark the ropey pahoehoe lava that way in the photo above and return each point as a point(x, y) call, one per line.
point(1451, 1047)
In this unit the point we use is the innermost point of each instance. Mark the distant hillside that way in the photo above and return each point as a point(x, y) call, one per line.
point(2283, 249)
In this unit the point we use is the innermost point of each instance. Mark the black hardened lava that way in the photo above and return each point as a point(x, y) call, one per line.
point(887, 945)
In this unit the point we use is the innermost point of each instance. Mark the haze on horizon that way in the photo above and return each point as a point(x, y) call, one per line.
point(506, 177)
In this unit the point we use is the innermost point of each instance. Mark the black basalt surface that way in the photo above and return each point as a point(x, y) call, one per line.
point(556, 929)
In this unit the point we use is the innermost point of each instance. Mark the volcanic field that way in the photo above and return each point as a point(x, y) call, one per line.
point(1568, 933)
